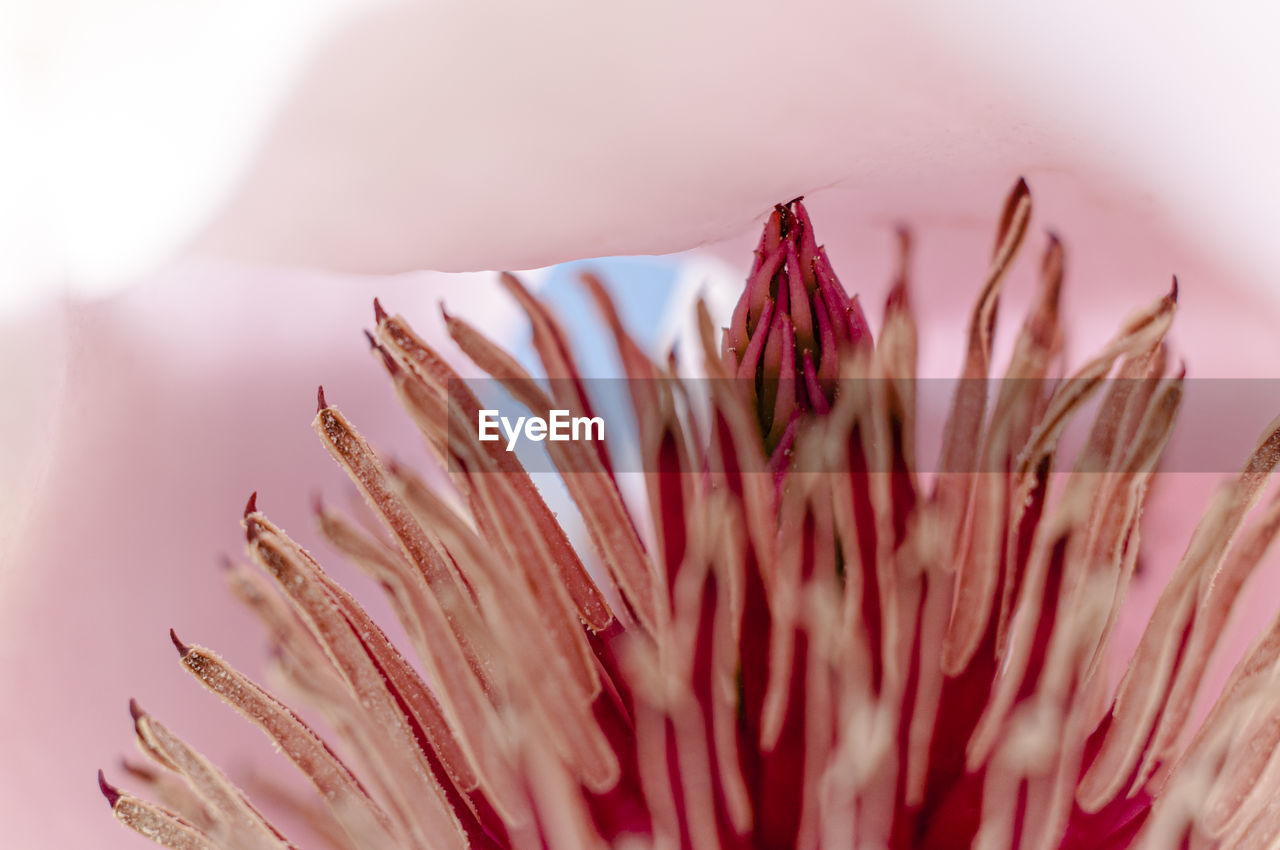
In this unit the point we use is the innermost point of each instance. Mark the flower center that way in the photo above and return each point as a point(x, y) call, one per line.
point(790, 325)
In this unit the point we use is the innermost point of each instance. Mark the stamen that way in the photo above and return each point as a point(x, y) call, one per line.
point(364, 821)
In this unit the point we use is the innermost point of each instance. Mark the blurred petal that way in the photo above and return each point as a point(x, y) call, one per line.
point(461, 136)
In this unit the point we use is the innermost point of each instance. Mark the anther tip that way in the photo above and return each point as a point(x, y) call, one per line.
point(251, 506)
point(321, 404)
point(135, 710)
point(182, 648)
point(108, 790)
point(379, 314)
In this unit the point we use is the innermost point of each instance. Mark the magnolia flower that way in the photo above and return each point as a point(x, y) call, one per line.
point(817, 646)
point(454, 136)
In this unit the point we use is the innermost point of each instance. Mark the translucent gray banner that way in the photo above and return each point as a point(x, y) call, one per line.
point(1218, 426)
